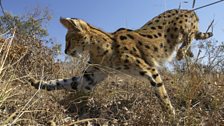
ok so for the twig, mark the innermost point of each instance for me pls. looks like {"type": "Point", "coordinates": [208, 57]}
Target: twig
{"type": "Point", "coordinates": [2, 8]}
{"type": "Point", "coordinates": [210, 25]}
{"type": "Point", "coordinates": [207, 5]}
{"type": "Point", "coordinates": [27, 105]}
{"type": "Point", "coordinates": [7, 51]}
{"type": "Point", "coordinates": [86, 120]}
{"type": "Point", "coordinates": [199, 52]}
{"type": "Point", "coordinates": [193, 106]}
{"type": "Point", "coordinates": [7, 32]}
{"type": "Point", "coordinates": [193, 3]}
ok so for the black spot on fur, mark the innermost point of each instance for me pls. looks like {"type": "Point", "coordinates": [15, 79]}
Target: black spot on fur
{"type": "Point", "coordinates": [158, 96]}
{"type": "Point", "coordinates": [123, 37]}
{"type": "Point", "coordinates": [120, 29]}
{"type": "Point", "coordinates": [58, 84]}
{"type": "Point", "coordinates": [148, 68]}
{"type": "Point", "coordinates": [159, 34]}
{"type": "Point", "coordinates": [153, 28]}
{"type": "Point", "coordinates": [88, 77]}
{"type": "Point", "coordinates": [149, 36]}
{"type": "Point", "coordinates": [105, 52]}
{"type": "Point", "coordinates": [143, 35]}
{"type": "Point", "coordinates": [74, 85]}
{"type": "Point", "coordinates": [134, 49]}
{"type": "Point", "coordinates": [138, 61]}
{"type": "Point", "coordinates": [159, 84]}
{"type": "Point", "coordinates": [126, 61]}
{"type": "Point", "coordinates": [149, 23]}
{"type": "Point", "coordinates": [146, 46]}
{"type": "Point", "coordinates": [155, 36]}
{"type": "Point", "coordinates": [117, 46]}
{"type": "Point", "coordinates": [165, 97]}
{"type": "Point", "coordinates": [181, 27]}
{"type": "Point", "coordinates": [125, 48]}
{"type": "Point", "coordinates": [142, 73]}
{"type": "Point", "coordinates": [170, 11]}
{"type": "Point", "coordinates": [175, 29]}
{"type": "Point", "coordinates": [160, 27]}
{"type": "Point", "coordinates": [155, 76]}
{"type": "Point", "coordinates": [153, 83]}
{"type": "Point", "coordinates": [171, 36]}
{"type": "Point", "coordinates": [74, 78]}
{"type": "Point", "coordinates": [168, 30]}
{"type": "Point", "coordinates": [139, 42]}
{"type": "Point", "coordinates": [130, 36]}
{"type": "Point", "coordinates": [161, 45]}
{"type": "Point", "coordinates": [194, 27]}
{"type": "Point", "coordinates": [155, 49]}
{"type": "Point", "coordinates": [156, 21]}
{"type": "Point", "coordinates": [180, 21]}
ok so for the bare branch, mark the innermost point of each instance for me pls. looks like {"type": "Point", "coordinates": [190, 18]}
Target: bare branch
{"type": "Point", "coordinates": [2, 7]}
{"type": "Point", "coordinates": [211, 24]}
{"type": "Point", "coordinates": [193, 3]}
{"type": "Point", "coordinates": [208, 5]}
{"type": "Point", "coordinates": [179, 6]}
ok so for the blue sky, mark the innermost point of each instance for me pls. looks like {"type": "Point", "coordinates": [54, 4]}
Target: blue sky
{"type": "Point", "coordinates": [111, 15]}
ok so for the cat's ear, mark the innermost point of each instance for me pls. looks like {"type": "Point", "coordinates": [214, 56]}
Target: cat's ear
{"type": "Point", "coordinates": [74, 24]}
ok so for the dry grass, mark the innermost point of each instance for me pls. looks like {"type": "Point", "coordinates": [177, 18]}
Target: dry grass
{"type": "Point", "coordinates": [119, 100]}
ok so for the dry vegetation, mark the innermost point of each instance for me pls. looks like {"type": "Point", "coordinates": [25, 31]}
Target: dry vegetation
{"type": "Point", "coordinates": [196, 87]}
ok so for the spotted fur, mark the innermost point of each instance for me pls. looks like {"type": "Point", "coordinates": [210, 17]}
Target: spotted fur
{"type": "Point", "coordinates": [134, 52]}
